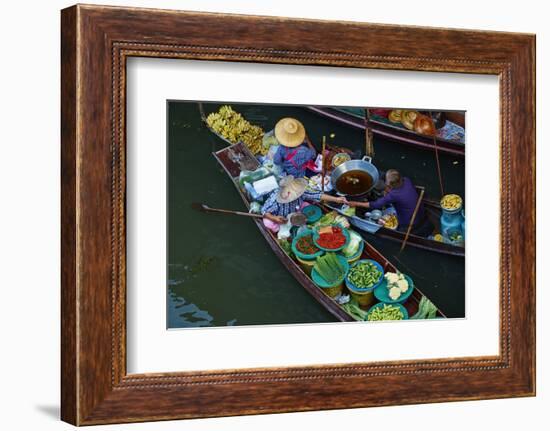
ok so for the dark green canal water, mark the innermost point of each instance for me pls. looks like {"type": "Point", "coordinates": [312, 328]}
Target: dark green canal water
{"type": "Point", "coordinates": [220, 269]}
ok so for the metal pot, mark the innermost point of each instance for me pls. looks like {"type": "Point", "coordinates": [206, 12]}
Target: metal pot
{"type": "Point", "coordinates": [364, 165]}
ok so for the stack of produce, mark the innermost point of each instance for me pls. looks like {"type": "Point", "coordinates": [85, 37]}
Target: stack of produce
{"type": "Point", "coordinates": [354, 244]}
{"type": "Point", "coordinates": [332, 217]}
{"type": "Point", "coordinates": [305, 245]}
{"type": "Point", "coordinates": [340, 158]}
{"type": "Point", "coordinates": [331, 238]}
{"type": "Point", "coordinates": [413, 120]}
{"type": "Point", "coordinates": [233, 127]}
{"type": "Point", "coordinates": [330, 268]}
{"type": "Point", "coordinates": [396, 285]}
{"type": "Point", "coordinates": [389, 221]}
{"type": "Point", "coordinates": [451, 202]}
{"type": "Point", "coordinates": [385, 312]}
{"type": "Point", "coordinates": [364, 275]}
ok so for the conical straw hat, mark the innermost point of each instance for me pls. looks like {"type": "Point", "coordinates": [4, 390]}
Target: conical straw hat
{"type": "Point", "coordinates": [290, 189]}
{"type": "Point", "coordinates": [290, 132]}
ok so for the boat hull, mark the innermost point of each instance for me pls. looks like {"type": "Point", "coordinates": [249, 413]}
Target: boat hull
{"type": "Point", "coordinates": [367, 227]}
{"type": "Point", "coordinates": [386, 131]}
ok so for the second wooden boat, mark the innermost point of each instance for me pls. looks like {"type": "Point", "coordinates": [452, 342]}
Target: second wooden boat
{"type": "Point", "coordinates": [434, 213]}
{"type": "Point", "coordinates": [387, 130]}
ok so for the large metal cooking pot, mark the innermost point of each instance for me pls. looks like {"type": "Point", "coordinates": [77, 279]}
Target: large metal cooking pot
{"type": "Point", "coordinates": [364, 165]}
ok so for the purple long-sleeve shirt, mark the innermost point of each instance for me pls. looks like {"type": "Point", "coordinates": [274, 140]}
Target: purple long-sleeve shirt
{"type": "Point", "coordinates": [404, 201]}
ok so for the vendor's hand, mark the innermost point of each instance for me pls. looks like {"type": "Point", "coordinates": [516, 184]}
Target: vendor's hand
{"type": "Point", "coordinates": [336, 199]}
{"type": "Point", "coordinates": [275, 218]}
{"type": "Point", "coordinates": [340, 200]}
{"type": "Point", "coordinates": [358, 204]}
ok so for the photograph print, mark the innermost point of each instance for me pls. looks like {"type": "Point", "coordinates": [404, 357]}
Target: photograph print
{"type": "Point", "coordinates": [290, 214]}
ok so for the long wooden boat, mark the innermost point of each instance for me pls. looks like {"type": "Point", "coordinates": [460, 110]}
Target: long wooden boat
{"type": "Point", "coordinates": [388, 130]}
{"type": "Point", "coordinates": [235, 158]}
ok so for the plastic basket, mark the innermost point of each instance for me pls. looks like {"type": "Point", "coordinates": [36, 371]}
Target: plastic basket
{"type": "Point", "coordinates": [381, 292]}
{"type": "Point", "coordinates": [364, 296]}
{"type": "Point", "coordinates": [381, 304]}
{"type": "Point", "coordinates": [344, 232]}
{"type": "Point", "coordinates": [332, 290]}
{"type": "Point", "coordinates": [299, 254]}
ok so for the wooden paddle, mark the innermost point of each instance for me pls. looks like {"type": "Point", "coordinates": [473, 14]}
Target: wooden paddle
{"type": "Point", "coordinates": [420, 197]}
{"type": "Point", "coordinates": [205, 208]}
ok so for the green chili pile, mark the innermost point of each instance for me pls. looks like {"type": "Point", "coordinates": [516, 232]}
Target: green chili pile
{"type": "Point", "coordinates": [364, 275]}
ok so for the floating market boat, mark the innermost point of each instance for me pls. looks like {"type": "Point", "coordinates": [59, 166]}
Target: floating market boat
{"type": "Point", "coordinates": [236, 158]}
{"type": "Point", "coordinates": [449, 140]}
{"type": "Point", "coordinates": [433, 211]}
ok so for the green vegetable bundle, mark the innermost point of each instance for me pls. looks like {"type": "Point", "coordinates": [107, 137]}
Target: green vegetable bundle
{"type": "Point", "coordinates": [426, 309]}
{"type": "Point", "coordinates": [353, 245]}
{"type": "Point", "coordinates": [355, 311]}
{"type": "Point", "coordinates": [330, 268]}
{"type": "Point", "coordinates": [386, 312]}
{"type": "Point", "coordinates": [332, 218]}
{"type": "Point", "coordinates": [364, 275]}
{"type": "Point", "coordinates": [285, 245]}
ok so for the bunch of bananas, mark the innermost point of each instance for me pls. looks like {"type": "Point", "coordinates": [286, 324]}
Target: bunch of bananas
{"type": "Point", "coordinates": [233, 127]}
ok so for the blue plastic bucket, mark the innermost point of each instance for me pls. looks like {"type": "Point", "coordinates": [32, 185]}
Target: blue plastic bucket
{"type": "Point", "coordinates": [364, 296]}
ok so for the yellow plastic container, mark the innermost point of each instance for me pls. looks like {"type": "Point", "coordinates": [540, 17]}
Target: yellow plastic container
{"type": "Point", "coordinates": [334, 291]}
{"type": "Point", "coordinates": [364, 299]}
{"type": "Point", "coordinates": [306, 265]}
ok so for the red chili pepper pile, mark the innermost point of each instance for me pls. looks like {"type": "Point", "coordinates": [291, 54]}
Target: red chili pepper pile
{"type": "Point", "coordinates": [306, 245]}
{"type": "Point", "coordinates": [331, 240]}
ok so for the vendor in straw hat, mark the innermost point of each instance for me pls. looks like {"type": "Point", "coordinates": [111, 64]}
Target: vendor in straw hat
{"type": "Point", "coordinates": [290, 197]}
{"type": "Point", "coordinates": [295, 153]}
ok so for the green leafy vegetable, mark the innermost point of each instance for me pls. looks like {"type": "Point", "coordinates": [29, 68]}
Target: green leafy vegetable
{"type": "Point", "coordinates": [329, 268]}
{"type": "Point", "coordinates": [349, 211]}
{"type": "Point", "coordinates": [286, 246]}
{"type": "Point", "coordinates": [354, 310]}
{"type": "Point", "coordinates": [353, 245]}
{"type": "Point", "coordinates": [426, 309]}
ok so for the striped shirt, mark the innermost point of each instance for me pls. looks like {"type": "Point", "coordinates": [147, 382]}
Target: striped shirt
{"type": "Point", "coordinates": [272, 206]}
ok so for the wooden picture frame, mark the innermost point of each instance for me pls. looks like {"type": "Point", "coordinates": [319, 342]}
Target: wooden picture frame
{"type": "Point", "coordinates": [96, 41]}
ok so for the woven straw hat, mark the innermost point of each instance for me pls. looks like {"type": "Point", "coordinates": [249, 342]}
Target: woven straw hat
{"type": "Point", "coordinates": [290, 132]}
{"type": "Point", "coordinates": [290, 189]}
